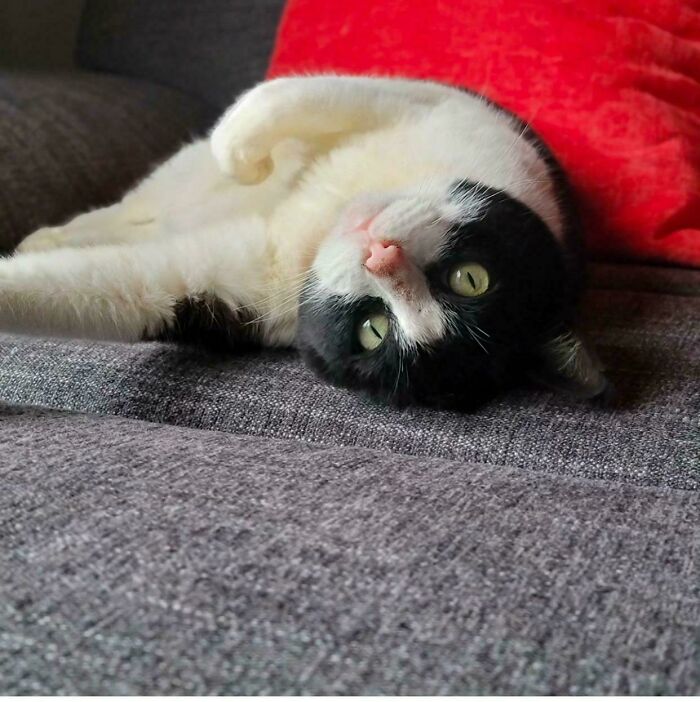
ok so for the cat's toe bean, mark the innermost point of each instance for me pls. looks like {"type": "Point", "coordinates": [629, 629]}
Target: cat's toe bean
{"type": "Point", "coordinates": [248, 165]}
{"type": "Point", "coordinates": [252, 172]}
{"type": "Point", "coordinates": [239, 150]}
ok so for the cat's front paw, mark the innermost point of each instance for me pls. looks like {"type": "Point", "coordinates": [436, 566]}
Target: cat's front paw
{"type": "Point", "coordinates": [249, 166]}
{"type": "Point", "coordinates": [243, 139]}
{"type": "Point", "coordinates": [44, 239]}
{"type": "Point", "coordinates": [238, 156]}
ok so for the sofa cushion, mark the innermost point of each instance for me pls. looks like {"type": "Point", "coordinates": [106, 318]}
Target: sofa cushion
{"type": "Point", "coordinates": [649, 340]}
{"type": "Point", "coordinates": [213, 49]}
{"type": "Point", "coordinates": [73, 141]}
{"type": "Point", "coordinates": [147, 559]}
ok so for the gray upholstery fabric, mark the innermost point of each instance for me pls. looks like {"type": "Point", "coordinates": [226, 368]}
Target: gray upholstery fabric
{"type": "Point", "coordinates": [319, 555]}
{"type": "Point", "coordinates": [212, 49]}
{"type": "Point", "coordinates": [72, 141]}
{"type": "Point", "coordinates": [649, 279]}
{"type": "Point", "coordinates": [650, 342]}
{"type": "Point", "coordinates": [141, 558]}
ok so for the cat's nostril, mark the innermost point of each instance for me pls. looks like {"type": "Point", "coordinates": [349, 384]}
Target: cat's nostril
{"type": "Point", "coordinates": [383, 257]}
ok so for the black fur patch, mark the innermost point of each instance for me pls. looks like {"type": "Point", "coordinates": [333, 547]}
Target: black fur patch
{"type": "Point", "coordinates": [572, 234]}
{"type": "Point", "coordinates": [207, 321]}
{"type": "Point", "coordinates": [531, 295]}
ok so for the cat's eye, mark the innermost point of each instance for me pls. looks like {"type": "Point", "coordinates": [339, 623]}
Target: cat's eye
{"type": "Point", "coordinates": [372, 331]}
{"type": "Point", "coordinates": [469, 279]}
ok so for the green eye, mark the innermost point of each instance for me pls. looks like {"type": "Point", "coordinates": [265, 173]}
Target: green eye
{"type": "Point", "coordinates": [372, 331]}
{"type": "Point", "coordinates": [469, 280]}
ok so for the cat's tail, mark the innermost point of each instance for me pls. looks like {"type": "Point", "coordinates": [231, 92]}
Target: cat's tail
{"type": "Point", "coordinates": [120, 292]}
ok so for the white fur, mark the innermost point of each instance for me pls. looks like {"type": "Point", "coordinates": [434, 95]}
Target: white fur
{"type": "Point", "coordinates": [292, 167]}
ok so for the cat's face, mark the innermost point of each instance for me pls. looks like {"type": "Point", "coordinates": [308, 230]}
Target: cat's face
{"type": "Point", "coordinates": [434, 297]}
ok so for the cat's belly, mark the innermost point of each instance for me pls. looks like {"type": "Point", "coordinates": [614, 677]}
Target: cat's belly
{"type": "Point", "coordinates": [303, 198]}
{"type": "Point", "coordinates": [189, 194]}
{"type": "Point", "coordinates": [461, 139]}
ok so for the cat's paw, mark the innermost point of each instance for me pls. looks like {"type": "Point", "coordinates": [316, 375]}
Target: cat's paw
{"type": "Point", "coordinates": [243, 139]}
{"type": "Point", "coordinates": [238, 156]}
{"type": "Point", "coordinates": [249, 166]}
{"type": "Point", "coordinates": [44, 239]}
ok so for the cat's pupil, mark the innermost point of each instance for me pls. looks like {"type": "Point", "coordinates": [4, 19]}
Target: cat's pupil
{"type": "Point", "coordinates": [471, 280]}
{"type": "Point", "coordinates": [372, 331]}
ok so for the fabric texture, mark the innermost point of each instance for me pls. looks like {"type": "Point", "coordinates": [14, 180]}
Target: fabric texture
{"type": "Point", "coordinates": [143, 559]}
{"type": "Point", "coordinates": [650, 343]}
{"type": "Point", "coordinates": [346, 547]}
{"type": "Point", "coordinates": [212, 49]}
{"type": "Point", "coordinates": [73, 141]}
{"type": "Point", "coordinates": [612, 85]}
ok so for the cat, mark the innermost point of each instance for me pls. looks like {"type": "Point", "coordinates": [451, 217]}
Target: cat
{"type": "Point", "coordinates": [411, 239]}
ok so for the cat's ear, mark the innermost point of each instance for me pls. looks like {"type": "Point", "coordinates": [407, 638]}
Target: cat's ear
{"type": "Point", "coordinates": [567, 362]}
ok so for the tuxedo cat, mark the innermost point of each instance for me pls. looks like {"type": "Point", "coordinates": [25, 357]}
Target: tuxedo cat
{"type": "Point", "coordinates": [411, 239]}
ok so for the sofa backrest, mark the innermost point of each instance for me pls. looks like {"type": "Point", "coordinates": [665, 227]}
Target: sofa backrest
{"type": "Point", "coordinates": [209, 48]}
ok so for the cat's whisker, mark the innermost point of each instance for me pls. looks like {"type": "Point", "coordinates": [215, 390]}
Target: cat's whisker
{"type": "Point", "coordinates": [516, 140]}
{"type": "Point", "coordinates": [526, 126]}
{"type": "Point", "coordinates": [400, 370]}
{"type": "Point", "coordinates": [293, 281]}
{"type": "Point", "coordinates": [281, 310]}
{"type": "Point", "coordinates": [485, 334]}
{"type": "Point", "coordinates": [476, 338]}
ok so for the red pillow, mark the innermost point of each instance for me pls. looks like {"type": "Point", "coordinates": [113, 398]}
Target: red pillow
{"type": "Point", "coordinates": [612, 85]}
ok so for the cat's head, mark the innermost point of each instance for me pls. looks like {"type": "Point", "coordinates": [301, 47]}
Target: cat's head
{"type": "Point", "coordinates": [442, 298]}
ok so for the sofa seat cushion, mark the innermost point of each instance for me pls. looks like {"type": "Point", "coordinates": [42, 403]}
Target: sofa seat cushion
{"type": "Point", "coordinates": [649, 339]}
{"type": "Point", "coordinates": [77, 140]}
{"type": "Point", "coordinates": [148, 559]}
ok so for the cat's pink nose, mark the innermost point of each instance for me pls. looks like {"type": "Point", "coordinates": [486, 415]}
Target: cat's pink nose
{"type": "Point", "coordinates": [384, 258]}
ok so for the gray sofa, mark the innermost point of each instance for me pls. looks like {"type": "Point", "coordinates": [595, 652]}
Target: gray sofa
{"type": "Point", "coordinates": [173, 521]}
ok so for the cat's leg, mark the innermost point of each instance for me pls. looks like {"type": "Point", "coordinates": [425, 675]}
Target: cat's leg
{"type": "Point", "coordinates": [182, 182]}
{"type": "Point", "coordinates": [311, 109]}
{"type": "Point", "coordinates": [126, 221]}
{"type": "Point", "coordinates": [123, 293]}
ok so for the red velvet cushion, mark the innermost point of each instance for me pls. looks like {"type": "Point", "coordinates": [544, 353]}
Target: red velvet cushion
{"type": "Point", "coordinates": [612, 85]}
